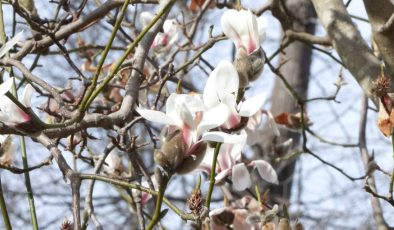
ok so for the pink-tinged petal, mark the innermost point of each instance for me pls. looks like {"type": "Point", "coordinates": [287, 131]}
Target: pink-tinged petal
{"type": "Point", "coordinates": [11, 43]}
{"type": "Point", "coordinates": [240, 177]}
{"type": "Point", "coordinates": [251, 105]}
{"type": "Point", "coordinates": [158, 117]}
{"type": "Point", "coordinates": [220, 177]}
{"type": "Point", "coordinates": [145, 197]}
{"type": "Point", "coordinates": [251, 40]}
{"type": "Point", "coordinates": [26, 96]}
{"type": "Point", "coordinates": [6, 86]}
{"type": "Point", "coordinates": [10, 113]}
{"type": "Point", "coordinates": [213, 118]}
{"type": "Point", "coordinates": [266, 171]}
{"type": "Point", "coordinates": [171, 29]}
{"type": "Point", "coordinates": [177, 109]}
{"type": "Point", "coordinates": [223, 137]}
{"type": "Point", "coordinates": [262, 25]}
{"type": "Point", "coordinates": [221, 82]}
{"type": "Point", "coordinates": [229, 28]}
{"type": "Point", "coordinates": [241, 27]}
{"type": "Point", "coordinates": [225, 160]}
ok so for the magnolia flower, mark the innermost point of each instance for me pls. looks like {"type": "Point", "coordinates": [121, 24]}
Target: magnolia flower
{"type": "Point", "coordinates": [247, 32]}
{"type": "Point", "coordinates": [166, 39]}
{"type": "Point", "coordinates": [244, 29]}
{"type": "Point", "coordinates": [188, 122]}
{"type": "Point", "coordinates": [113, 164]}
{"type": "Point", "coordinates": [10, 113]}
{"type": "Point", "coordinates": [230, 164]}
{"type": "Point", "coordinates": [222, 88]}
{"type": "Point", "coordinates": [255, 127]}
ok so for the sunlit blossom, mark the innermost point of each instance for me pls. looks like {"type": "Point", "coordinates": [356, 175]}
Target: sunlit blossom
{"type": "Point", "coordinates": [244, 29]}
{"type": "Point", "coordinates": [222, 87]}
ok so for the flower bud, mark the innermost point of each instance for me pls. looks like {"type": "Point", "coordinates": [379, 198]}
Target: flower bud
{"type": "Point", "coordinates": [172, 150]}
{"type": "Point", "coordinates": [249, 67]}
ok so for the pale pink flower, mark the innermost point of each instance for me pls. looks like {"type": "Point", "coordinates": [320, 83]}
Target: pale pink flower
{"type": "Point", "coordinates": [244, 29]}
{"type": "Point", "coordinates": [166, 39]}
{"type": "Point", "coordinates": [10, 113]}
{"type": "Point", "coordinates": [230, 165]}
{"type": "Point", "coordinates": [222, 87]}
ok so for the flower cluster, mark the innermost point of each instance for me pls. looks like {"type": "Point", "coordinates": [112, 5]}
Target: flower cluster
{"type": "Point", "coordinates": [219, 115]}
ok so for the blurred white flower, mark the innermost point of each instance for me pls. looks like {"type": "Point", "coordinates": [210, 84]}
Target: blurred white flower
{"type": "Point", "coordinates": [230, 164]}
{"type": "Point", "coordinates": [113, 164]}
{"type": "Point", "coordinates": [10, 113]}
{"type": "Point", "coordinates": [166, 39]}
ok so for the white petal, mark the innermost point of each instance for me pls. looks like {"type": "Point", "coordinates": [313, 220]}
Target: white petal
{"type": "Point", "coordinates": [223, 137]}
{"type": "Point", "coordinates": [8, 45]}
{"type": "Point", "coordinates": [222, 81]}
{"type": "Point", "coordinates": [250, 106]}
{"type": "Point", "coordinates": [157, 116]}
{"type": "Point", "coordinates": [241, 27]}
{"type": "Point", "coordinates": [266, 171]}
{"type": "Point", "coordinates": [222, 175]}
{"type": "Point", "coordinates": [194, 103]}
{"type": "Point", "coordinates": [237, 150]}
{"type": "Point", "coordinates": [240, 177]}
{"type": "Point", "coordinates": [6, 86]}
{"type": "Point", "coordinates": [171, 29]}
{"type": "Point", "coordinates": [262, 25]}
{"type": "Point", "coordinates": [272, 123]}
{"type": "Point", "coordinates": [26, 96]}
{"type": "Point", "coordinates": [229, 26]}
{"type": "Point", "coordinates": [213, 118]}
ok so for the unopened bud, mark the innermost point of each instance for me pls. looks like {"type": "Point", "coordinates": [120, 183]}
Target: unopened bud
{"type": "Point", "coordinates": [172, 150]}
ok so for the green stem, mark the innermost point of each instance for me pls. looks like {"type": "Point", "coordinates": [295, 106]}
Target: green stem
{"type": "Point", "coordinates": [3, 207]}
{"type": "Point", "coordinates": [159, 200]}
{"type": "Point", "coordinates": [392, 173]}
{"type": "Point", "coordinates": [212, 176]}
{"type": "Point", "coordinates": [29, 189]}
{"type": "Point", "coordinates": [117, 65]}
{"type": "Point", "coordinates": [105, 53]}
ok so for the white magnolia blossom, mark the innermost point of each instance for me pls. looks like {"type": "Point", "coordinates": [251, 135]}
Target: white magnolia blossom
{"type": "Point", "coordinates": [113, 164]}
{"type": "Point", "coordinates": [244, 29]}
{"type": "Point", "coordinates": [10, 113]}
{"type": "Point", "coordinates": [222, 88]}
{"type": "Point", "coordinates": [229, 164]}
{"type": "Point", "coordinates": [255, 126]}
{"type": "Point", "coordinates": [166, 39]}
{"type": "Point", "coordinates": [189, 114]}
